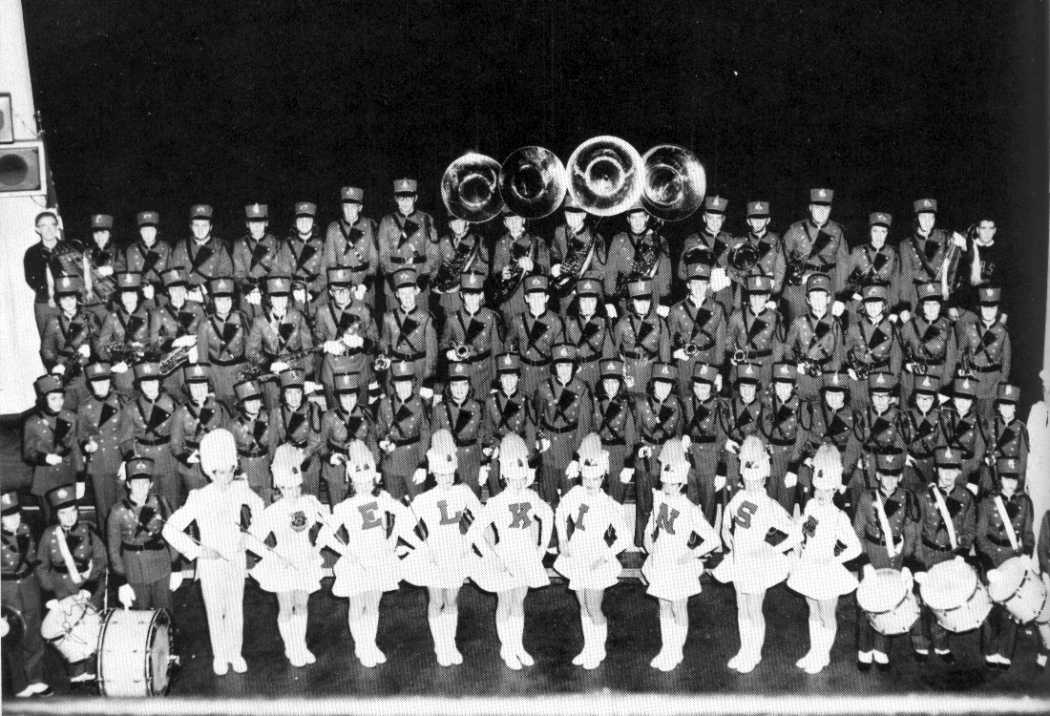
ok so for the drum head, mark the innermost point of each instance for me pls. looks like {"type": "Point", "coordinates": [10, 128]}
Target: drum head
{"type": "Point", "coordinates": [882, 591]}
{"type": "Point", "coordinates": [1010, 574]}
{"type": "Point", "coordinates": [133, 653]}
{"type": "Point", "coordinates": [948, 584]}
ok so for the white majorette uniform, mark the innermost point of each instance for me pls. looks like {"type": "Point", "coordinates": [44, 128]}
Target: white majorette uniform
{"type": "Point", "coordinates": [223, 510]}
{"type": "Point", "coordinates": [819, 572]}
{"type": "Point", "coordinates": [521, 524]}
{"type": "Point", "coordinates": [596, 531]}
{"type": "Point", "coordinates": [443, 558]}
{"type": "Point", "coordinates": [678, 527]}
{"type": "Point", "coordinates": [762, 532]}
{"type": "Point", "coordinates": [295, 562]}
{"type": "Point", "coordinates": [373, 522]}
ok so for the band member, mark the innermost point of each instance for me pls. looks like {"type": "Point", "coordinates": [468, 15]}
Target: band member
{"type": "Point", "coordinates": [99, 256]}
{"type": "Point", "coordinates": [589, 331]}
{"type": "Point", "coordinates": [301, 253]}
{"type": "Point", "coordinates": [49, 441]}
{"type": "Point", "coordinates": [765, 248]}
{"type": "Point", "coordinates": [124, 336]}
{"type": "Point", "coordinates": [199, 414]}
{"type": "Point", "coordinates": [881, 430]}
{"type": "Point", "coordinates": [784, 434]}
{"type": "Point", "coordinates": [68, 339]}
{"type": "Point", "coordinates": [831, 421]}
{"type": "Point", "coordinates": [147, 430]}
{"type": "Point", "coordinates": [755, 332]}
{"type": "Point", "coordinates": [697, 325]}
{"type": "Point", "coordinates": [508, 410]}
{"type": "Point", "coordinates": [403, 434]}
{"type": "Point", "coordinates": [297, 422]}
{"type": "Point", "coordinates": [280, 339]}
{"type": "Point", "coordinates": [341, 424]}
{"type": "Point", "coordinates": [224, 511]}
{"type": "Point", "coordinates": [886, 522]}
{"type": "Point", "coordinates": [962, 429]}
{"type": "Point", "coordinates": [814, 340]}
{"type": "Point", "coordinates": [1004, 529]}
{"type": "Point", "coordinates": [513, 550]}
{"type": "Point", "coordinates": [291, 568]}
{"type": "Point", "coordinates": [345, 328]}
{"type": "Point", "coordinates": [517, 256]}
{"type": "Point", "coordinates": [578, 252]}
{"type": "Point", "coordinates": [1006, 434]}
{"type": "Point", "coordinates": [928, 341]}
{"type": "Point", "coordinates": [350, 241]}
{"type": "Point", "coordinates": [704, 427]}
{"type": "Point", "coordinates": [459, 253]}
{"type": "Point", "coordinates": [473, 335]}
{"type": "Point", "coordinates": [372, 522]}
{"type": "Point", "coordinates": [874, 263]}
{"type": "Point", "coordinates": [613, 421]}
{"type": "Point", "coordinates": [533, 333]}
{"type": "Point", "coordinates": [946, 530]}
{"type": "Point", "coordinates": [758, 533]}
{"type": "Point", "coordinates": [986, 347]}
{"type": "Point", "coordinates": [147, 255]}
{"type": "Point", "coordinates": [222, 338]}
{"type": "Point", "coordinates": [641, 336]}
{"type": "Point", "coordinates": [407, 239]}
{"type": "Point", "coordinates": [984, 262]}
{"type": "Point", "coordinates": [741, 417]}
{"type": "Point", "coordinates": [444, 513]}
{"type": "Point", "coordinates": [204, 256]}
{"type": "Point", "coordinates": [817, 243]}
{"type": "Point", "coordinates": [641, 252]}
{"type": "Point", "coordinates": [461, 414]}
{"type": "Point", "coordinates": [922, 427]}
{"type": "Point", "coordinates": [926, 256]}
{"type": "Point", "coordinates": [42, 268]}
{"type": "Point", "coordinates": [828, 542]}
{"type": "Point", "coordinates": [254, 254]}
{"type": "Point", "coordinates": [408, 333]}
{"type": "Point", "coordinates": [255, 438]}
{"type": "Point", "coordinates": [872, 343]}
{"type": "Point", "coordinates": [100, 430]}
{"type": "Point", "coordinates": [710, 248]}
{"type": "Point", "coordinates": [562, 406]}
{"type": "Point", "coordinates": [676, 537]}
{"type": "Point", "coordinates": [20, 591]}
{"type": "Point", "coordinates": [138, 555]}
{"type": "Point", "coordinates": [174, 324]}
{"type": "Point", "coordinates": [659, 417]}
{"type": "Point", "coordinates": [591, 532]}
{"type": "Point", "coordinates": [71, 561]}
{"type": "Point", "coordinates": [1043, 553]}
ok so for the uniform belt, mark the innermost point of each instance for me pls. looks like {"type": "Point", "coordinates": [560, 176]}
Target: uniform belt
{"type": "Point", "coordinates": [705, 440]}
{"type": "Point", "coordinates": [406, 441]}
{"type": "Point", "coordinates": [921, 456]}
{"type": "Point", "coordinates": [615, 442]}
{"type": "Point", "coordinates": [650, 440]}
{"type": "Point", "coordinates": [415, 260]}
{"type": "Point", "coordinates": [759, 354]}
{"type": "Point", "coordinates": [408, 356]}
{"type": "Point", "coordinates": [933, 545]}
{"type": "Point", "coordinates": [567, 429]}
{"type": "Point", "coordinates": [589, 359]}
{"type": "Point", "coordinates": [253, 453]}
{"type": "Point", "coordinates": [298, 443]}
{"type": "Point", "coordinates": [193, 444]}
{"type": "Point", "coordinates": [154, 442]}
{"type": "Point", "coordinates": [781, 443]}
{"type": "Point", "coordinates": [466, 443]}
{"type": "Point", "coordinates": [334, 447]}
{"type": "Point", "coordinates": [988, 368]}
{"type": "Point", "coordinates": [358, 268]}
{"type": "Point", "coordinates": [881, 542]}
{"type": "Point", "coordinates": [998, 542]}
{"type": "Point", "coordinates": [637, 355]}
{"type": "Point", "coordinates": [226, 363]}
{"type": "Point", "coordinates": [15, 576]}
{"type": "Point", "coordinates": [484, 355]}
{"type": "Point", "coordinates": [530, 361]}
{"type": "Point", "coordinates": [151, 546]}
{"type": "Point", "coordinates": [61, 568]}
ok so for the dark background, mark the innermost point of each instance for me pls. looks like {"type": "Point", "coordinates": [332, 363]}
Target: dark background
{"type": "Point", "coordinates": [159, 105]}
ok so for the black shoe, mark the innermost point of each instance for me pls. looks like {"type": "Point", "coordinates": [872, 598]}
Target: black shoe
{"type": "Point", "coordinates": [883, 667]}
{"type": "Point", "coordinates": [1003, 667]}
{"type": "Point", "coordinates": [947, 657]}
{"type": "Point", "coordinates": [44, 694]}
{"type": "Point", "coordinates": [863, 666]}
{"type": "Point", "coordinates": [921, 658]}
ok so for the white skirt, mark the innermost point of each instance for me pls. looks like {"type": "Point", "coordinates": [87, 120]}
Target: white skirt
{"type": "Point", "coordinates": [669, 580]}
{"type": "Point", "coordinates": [438, 568]}
{"type": "Point", "coordinates": [276, 575]}
{"type": "Point", "coordinates": [821, 580]}
{"type": "Point", "coordinates": [518, 569]}
{"type": "Point", "coordinates": [753, 572]}
{"type": "Point", "coordinates": [381, 573]}
{"type": "Point", "coordinates": [578, 571]}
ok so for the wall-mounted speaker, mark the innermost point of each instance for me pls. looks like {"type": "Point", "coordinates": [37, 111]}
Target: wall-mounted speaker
{"type": "Point", "coordinates": [23, 170]}
{"type": "Point", "coordinates": [7, 120]}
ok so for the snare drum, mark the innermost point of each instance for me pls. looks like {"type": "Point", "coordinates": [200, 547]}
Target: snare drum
{"type": "Point", "coordinates": [72, 625]}
{"type": "Point", "coordinates": [133, 650]}
{"type": "Point", "coordinates": [886, 597]}
{"type": "Point", "coordinates": [1020, 591]}
{"type": "Point", "coordinates": [955, 594]}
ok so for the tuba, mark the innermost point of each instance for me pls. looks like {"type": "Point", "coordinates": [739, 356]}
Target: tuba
{"type": "Point", "coordinates": [674, 182]}
{"type": "Point", "coordinates": [532, 182]}
{"type": "Point", "coordinates": [470, 188]}
{"type": "Point", "coordinates": [605, 175]}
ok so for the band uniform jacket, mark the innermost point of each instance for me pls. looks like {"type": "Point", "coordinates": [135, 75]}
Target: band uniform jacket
{"type": "Point", "coordinates": [506, 414]}
{"type": "Point", "coordinates": [222, 342]}
{"type": "Point", "coordinates": [741, 419]}
{"type": "Point", "coordinates": [881, 433]}
{"type": "Point", "coordinates": [410, 337]}
{"type": "Point", "coordinates": [841, 428]}
{"type": "Point", "coordinates": [1007, 440]}
{"type": "Point", "coordinates": [644, 255]}
{"type": "Point", "coordinates": [760, 337]}
{"type": "Point", "coordinates": [532, 338]}
{"type": "Point", "coordinates": [782, 425]}
{"type": "Point", "coordinates": [331, 323]}
{"type": "Point", "coordinates": [303, 260]}
{"type": "Point", "coordinates": [641, 340]}
{"type": "Point", "coordinates": [993, 543]}
{"type": "Point", "coordinates": [406, 425]}
{"type": "Point", "coordinates": [482, 335]}
{"type": "Point", "coordinates": [18, 555]}
{"type": "Point", "coordinates": [98, 289]}
{"type": "Point", "coordinates": [816, 343]}
{"type": "Point", "coordinates": [466, 423]}
{"type": "Point", "coordinates": [868, 265]}
{"type": "Point", "coordinates": [921, 259]}
{"type": "Point", "coordinates": [876, 346]}
{"type": "Point", "coordinates": [300, 428]}
{"type": "Point", "coordinates": [190, 423]}
{"type": "Point", "coordinates": [101, 420]}
{"type": "Point", "coordinates": [712, 250]}
{"type": "Point", "coordinates": [563, 413]}
{"type": "Point", "coordinates": [989, 351]}
{"type": "Point", "coordinates": [931, 345]}
{"type": "Point", "coordinates": [577, 248]}
{"type": "Point", "coordinates": [353, 247]}
{"type": "Point", "coordinates": [137, 550]}
{"type": "Point", "coordinates": [89, 555]}
{"type": "Point", "coordinates": [923, 435]}
{"type": "Point", "coordinates": [124, 337]}
{"type": "Point", "coordinates": [902, 515]}
{"type": "Point", "coordinates": [593, 341]}
{"type": "Point", "coordinates": [933, 545]}
{"type": "Point", "coordinates": [613, 420]}
{"type": "Point", "coordinates": [256, 439]}
{"type": "Point", "coordinates": [768, 246]}
{"type": "Point", "coordinates": [63, 336]}
{"type": "Point", "coordinates": [168, 322]}
{"type": "Point", "coordinates": [703, 424]}
{"type": "Point", "coordinates": [272, 338]}
{"type": "Point", "coordinates": [338, 429]}
{"type": "Point", "coordinates": [703, 326]}
{"type": "Point", "coordinates": [407, 242]}
{"type": "Point", "coordinates": [150, 261]}
{"type": "Point", "coordinates": [253, 260]}
{"type": "Point", "coordinates": [203, 260]}
{"type": "Point", "coordinates": [147, 426]}
{"type": "Point", "coordinates": [819, 248]}
{"type": "Point", "coordinates": [44, 434]}
{"type": "Point", "coordinates": [508, 252]}
{"type": "Point", "coordinates": [964, 433]}
{"type": "Point", "coordinates": [476, 258]}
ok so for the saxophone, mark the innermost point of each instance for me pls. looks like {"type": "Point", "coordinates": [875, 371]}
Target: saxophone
{"type": "Point", "coordinates": [576, 254]}
{"type": "Point", "coordinates": [255, 372]}
{"type": "Point", "coordinates": [450, 270]}
{"type": "Point", "coordinates": [500, 289]}
{"type": "Point", "coordinates": [646, 255]}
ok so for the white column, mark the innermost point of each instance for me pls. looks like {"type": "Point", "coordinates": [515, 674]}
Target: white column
{"type": "Point", "coordinates": [19, 344]}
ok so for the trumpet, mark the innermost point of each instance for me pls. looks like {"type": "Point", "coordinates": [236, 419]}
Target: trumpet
{"type": "Point", "coordinates": [470, 188]}
{"type": "Point", "coordinates": [605, 175]}
{"type": "Point", "coordinates": [739, 357]}
{"type": "Point", "coordinates": [691, 349]}
{"type": "Point", "coordinates": [381, 363]}
{"type": "Point", "coordinates": [461, 351]}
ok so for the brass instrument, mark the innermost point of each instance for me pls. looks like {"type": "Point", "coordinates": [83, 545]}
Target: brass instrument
{"type": "Point", "coordinates": [918, 363]}
{"type": "Point", "coordinates": [499, 289]}
{"type": "Point", "coordinates": [950, 257]}
{"type": "Point", "coordinates": [451, 270]}
{"type": "Point", "coordinates": [461, 351]}
{"type": "Point", "coordinates": [740, 356]}
{"type": "Point", "coordinates": [606, 175]}
{"type": "Point", "coordinates": [127, 352]}
{"type": "Point", "coordinates": [743, 257]}
{"type": "Point", "coordinates": [470, 188]}
{"type": "Point", "coordinates": [690, 349]}
{"type": "Point", "coordinates": [646, 256]}
{"type": "Point", "coordinates": [175, 359]}
{"type": "Point", "coordinates": [254, 372]}
{"type": "Point", "coordinates": [571, 265]}
{"type": "Point", "coordinates": [860, 367]}
{"type": "Point", "coordinates": [795, 270]}
{"type": "Point", "coordinates": [806, 365]}
{"type": "Point", "coordinates": [674, 182]}
{"type": "Point", "coordinates": [532, 182]}
{"type": "Point", "coordinates": [381, 363]}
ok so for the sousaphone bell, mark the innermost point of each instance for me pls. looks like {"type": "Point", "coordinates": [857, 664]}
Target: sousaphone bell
{"type": "Point", "coordinates": [674, 183]}
{"type": "Point", "coordinates": [470, 188]}
{"type": "Point", "coordinates": [532, 182]}
{"type": "Point", "coordinates": [606, 175]}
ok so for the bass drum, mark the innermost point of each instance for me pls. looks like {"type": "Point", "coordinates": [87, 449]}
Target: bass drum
{"type": "Point", "coordinates": [133, 653]}
{"type": "Point", "coordinates": [14, 628]}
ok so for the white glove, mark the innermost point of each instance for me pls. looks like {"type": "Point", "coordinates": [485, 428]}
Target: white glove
{"type": "Point", "coordinates": [555, 270]}
{"type": "Point", "coordinates": [148, 292]}
{"type": "Point", "coordinates": [426, 393]}
{"type": "Point", "coordinates": [438, 397]}
{"type": "Point", "coordinates": [81, 489]}
{"type": "Point", "coordinates": [359, 292]}
{"type": "Point", "coordinates": [299, 295]}
{"type": "Point", "coordinates": [719, 279]}
{"type": "Point", "coordinates": [790, 480]}
{"type": "Point", "coordinates": [310, 387]}
{"type": "Point", "coordinates": [894, 318]}
{"type": "Point", "coordinates": [419, 476]}
{"type": "Point", "coordinates": [184, 341]}
{"type": "Point", "coordinates": [526, 264]}
{"type": "Point", "coordinates": [495, 452]}
{"type": "Point", "coordinates": [972, 487]}
{"type": "Point", "coordinates": [83, 595]}
{"type": "Point", "coordinates": [84, 350]}
{"type": "Point", "coordinates": [953, 313]}
{"type": "Point", "coordinates": [959, 240]}
{"type": "Point", "coordinates": [610, 311]}
{"type": "Point", "coordinates": [90, 446]}
{"type": "Point", "coordinates": [483, 474]}
{"type": "Point", "coordinates": [718, 383]}
{"type": "Point", "coordinates": [626, 475]}
{"type": "Point", "coordinates": [126, 595]}
{"type": "Point", "coordinates": [801, 368]}
{"type": "Point", "coordinates": [5, 628]}
{"type": "Point", "coordinates": [354, 341]}
{"type": "Point", "coordinates": [645, 451]}
{"type": "Point", "coordinates": [277, 366]}
{"type": "Point", "coordinates": [254, 297]}
{"type": "Point", "coordinates": [59, 369]}
{"type": "Point", "coordinates": [333, 348]}
{"type": "Point", "coordinates": [545, 444]}
{"type": "Point", "coordinates": [451, 355]}
{"type": "Point", "coordinates": [905, 316]}
{"type": "Point", "coordinates": [193, 355]}
{"type": "Point", "coordinates": [771, 305]}
{"type": "Point", "coordinates": [628, 381]}
{"type": "Point", "coordinates": [852, 374]}
{"type": "Point", "coordinates": [909, 460]}
{"type": "Point", "coordinates": [122, 472]}
{"type": "Point", "coordinates": [174, 581]}
{"type": "Point", "coordinates": [53, 459]}
{"type": "Point", "coordinates": [856, 296]}
{"type": "Point", "coordinates": [679, 354]}
{"type": "Point", "coordinates": [838, 308]}
{"type": "Point", "coordinates": [121, 367]}
{"type": "Point", "coordinates": [663, 311]}
{"type": "Point", "coordinates": [105, 271]}
{"type": "Point", "coordinates": [942, 398]}
{"type": "Point", "coordinates": [195, 294]}
{"type": "Point", "coordinates": [336, 459]}
{"type": "Point", "coordinates": [720, 482]}
{"type": "Point", "coordinates": [573, 470]}
{"type": "Point", "coordinates": [732, 446]}
{"type": "Point", "coordinates": [386, 446]}
{"type": "Point", "coordinates": [194, 458]}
